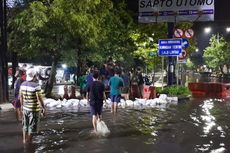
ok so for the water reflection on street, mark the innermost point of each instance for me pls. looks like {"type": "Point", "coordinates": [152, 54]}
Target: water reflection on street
{"type": "Point", "coordinates": [195, 126]}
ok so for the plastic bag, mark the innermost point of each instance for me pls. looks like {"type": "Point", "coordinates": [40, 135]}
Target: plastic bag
{"type": "Point", "coordinates": [102, 128]}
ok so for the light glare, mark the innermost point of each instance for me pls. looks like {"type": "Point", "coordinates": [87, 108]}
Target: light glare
{"type": "Point", "coordinates": [207, 30]}
{"type": "Point", "coordinates": [228, 29]}
{"type": "Point", "coordinates": [64, 66]}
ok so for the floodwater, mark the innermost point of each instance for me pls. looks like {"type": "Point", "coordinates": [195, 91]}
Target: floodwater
{"type": "Point", "coordinates": [195, 126]}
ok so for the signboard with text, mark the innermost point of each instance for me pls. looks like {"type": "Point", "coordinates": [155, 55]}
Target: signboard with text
{"type": "Point", "coordinates": [169, 47]}
{"type": "Point", "coordinates": [175, 10]}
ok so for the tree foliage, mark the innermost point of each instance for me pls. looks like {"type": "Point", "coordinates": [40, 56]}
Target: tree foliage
{"type": "Point", "coordinates": [82, 30]}
{"type": "Point", "coordinates": [216, 54]}
{"type": "Point", "coordinates": [98, 27]}
{"type": "Point", "coordinates": [116, 41]}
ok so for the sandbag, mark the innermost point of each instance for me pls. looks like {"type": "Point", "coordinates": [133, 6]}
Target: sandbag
{"type": "Point", "coordinates": [102, 128]}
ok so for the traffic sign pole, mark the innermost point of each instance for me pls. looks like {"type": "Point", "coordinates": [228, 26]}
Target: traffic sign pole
{"type": "Point", "coordinates": [171, 59]}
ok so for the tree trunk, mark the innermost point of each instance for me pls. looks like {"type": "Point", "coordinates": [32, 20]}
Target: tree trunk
{"type": "Point", "coordinates": [4, 94]}
{"type": "Point", "coordinates": [51, 80]}
{"type": "Point", "coordinates": [14, 66]}
{"type": "Point", "coordinates": [79, 64]}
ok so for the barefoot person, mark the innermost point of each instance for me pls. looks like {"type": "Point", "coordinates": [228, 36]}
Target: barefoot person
{"type": "Point", "coordinates": [115, 84]}
{"type": "Point", "coordinates": [95, 96]}
{"type": "Point", "coordinates": [32, 104]}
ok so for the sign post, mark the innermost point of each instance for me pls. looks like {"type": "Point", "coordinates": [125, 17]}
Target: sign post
{"type": "Point", "coordinates": [171, 59]}
{"type": "Point", "coordinates": [171, 48]}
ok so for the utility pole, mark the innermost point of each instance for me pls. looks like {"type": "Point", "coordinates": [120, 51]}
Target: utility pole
{"type": "Point", "coordinates": [4, 94]}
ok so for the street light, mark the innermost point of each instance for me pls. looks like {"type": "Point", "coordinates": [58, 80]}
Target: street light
{"type": "Point", "coordinates": [197, 50]}
{"type": "Point", "coordinates": [207, 30]}
{"type": "Point", "coordinates": [64, 66]}
{"type": "Point", "coordinates": [228, 29]}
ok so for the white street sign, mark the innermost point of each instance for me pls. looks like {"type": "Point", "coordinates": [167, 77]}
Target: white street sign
{"type": "Point", "coordinates": [175, 10]}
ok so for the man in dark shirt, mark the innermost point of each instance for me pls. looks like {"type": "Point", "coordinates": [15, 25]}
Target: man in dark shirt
{"type": "Point", "coordinates": [96, 95]}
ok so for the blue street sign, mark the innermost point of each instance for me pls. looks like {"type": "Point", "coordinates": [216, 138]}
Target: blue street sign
{"type": "Point", "coordinates": [185, 43]}
{"type": "Point", "coordinates": [169, 47]}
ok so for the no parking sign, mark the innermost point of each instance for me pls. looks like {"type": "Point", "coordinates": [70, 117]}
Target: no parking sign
{"type": "Point", "coordinates": [178, 33]}
{"type": "Point", "coordinates": [189, 33]}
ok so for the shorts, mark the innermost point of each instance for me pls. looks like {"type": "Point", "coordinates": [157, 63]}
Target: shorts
{"type": "Point", "coordinates": [16, 103]}
{"type": "Point", "coordinates": [30, 121]}
{"type": "Point", "coordinates": [96, 109]}
{"type": "Point", "coordinates": [115, 98]}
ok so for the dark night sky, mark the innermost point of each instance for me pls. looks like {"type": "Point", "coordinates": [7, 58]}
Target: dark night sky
{"type": "Point", "coordinates": [222, 10]}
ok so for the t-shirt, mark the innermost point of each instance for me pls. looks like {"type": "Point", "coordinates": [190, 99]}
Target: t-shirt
{"type": "Point", "coordinates": [115, 83]}
{"type": "Point", "coordinates": [96, 92]}
{"type": "Point", "coordinates": [29, 90]}
{"type": "Point", "coordinates": [89, 80]}
{"type": "Point", "coordinates": [82, 81]}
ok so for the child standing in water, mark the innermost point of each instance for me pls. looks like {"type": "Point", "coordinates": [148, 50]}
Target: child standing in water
{"type": "Point", "coordinates": [95, 96]}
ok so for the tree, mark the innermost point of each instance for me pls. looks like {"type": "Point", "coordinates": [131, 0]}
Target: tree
{"type": "Point", "coordinates": [56, 28]}
{"type": "Point", "coordinates": [116, 41]}
{"type": "Point", "coordinates": [215, 54]}
{"type": "Point", "coordinates": [45, 27]}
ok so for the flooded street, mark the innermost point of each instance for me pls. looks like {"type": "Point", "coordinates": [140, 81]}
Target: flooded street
{"type": "Point", "coordinates": [191, 127]}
